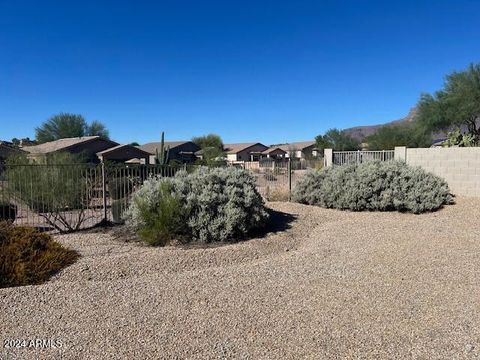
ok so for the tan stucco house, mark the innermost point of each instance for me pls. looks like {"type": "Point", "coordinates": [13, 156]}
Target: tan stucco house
{"type": "Point", "coordinates": [299, 150]}
{"type": "Point", "coordinates": [244, 151]}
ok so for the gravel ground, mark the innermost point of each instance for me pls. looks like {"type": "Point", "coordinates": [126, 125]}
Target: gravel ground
{"type": "Point", "coordinates": [333, 285]}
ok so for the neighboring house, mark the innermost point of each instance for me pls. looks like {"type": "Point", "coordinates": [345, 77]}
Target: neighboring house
{"type": "Point", "coordinates": [86, 146]}
{"type": "Point", "coordinates": [244, 152]}
{"type": "Point", "coordinates": [299, 150]}
{"type": "Point", "coordinates": [182, 151]}
{"type": "Point", "coordinates": [7, 149]}
{"type": "Point", "coordinates": [274, 152]}
{"type": "Point", "coordinates": [125, 153]}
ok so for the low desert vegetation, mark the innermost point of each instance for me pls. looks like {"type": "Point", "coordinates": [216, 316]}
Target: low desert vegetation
{"type": "Point", "coordinates": [380, 186]}
{"type": "Point", "coordinates": [280, 193]}
{"type": "Point", "coordinates": [29, 257]}
{"type": "Point", "coordinates": [208, 205]}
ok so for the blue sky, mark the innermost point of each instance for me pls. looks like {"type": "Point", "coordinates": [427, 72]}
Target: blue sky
{"type": "Point", "coordinates": [270, 71]}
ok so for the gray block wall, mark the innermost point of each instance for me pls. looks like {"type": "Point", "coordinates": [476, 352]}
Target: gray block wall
{"type": "Point", "coordinates": [460, 167]}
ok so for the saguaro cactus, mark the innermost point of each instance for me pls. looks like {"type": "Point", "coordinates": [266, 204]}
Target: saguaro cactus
{"type": "Point", "coordinates": [161, 156]}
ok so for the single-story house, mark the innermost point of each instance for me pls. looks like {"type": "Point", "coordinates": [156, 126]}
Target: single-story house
{"type": "Point", "coordinates": [244, 151]}
{"type": "Point", "coordinates": [182, 151]}
{"type": "Point", "coordinates": [299, 150]}
{"type": "Point", "coordinates": [7, 149]}
{"type": "Point", "coordinates": [87, 146]}
{"type": "Point", "coordinates": [274, 152]}
{"type": "Point", "coordinates": [125, 153]}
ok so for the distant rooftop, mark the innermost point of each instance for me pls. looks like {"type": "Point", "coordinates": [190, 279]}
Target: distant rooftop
{"type": "Point", "coordinates": [60, 144]}
{"type": "Point", "coordinates": [300, 145]}
{"type": "Point", "coordinates": [236, 148]}
{"type": "Point", "coordinates": [154, 146]}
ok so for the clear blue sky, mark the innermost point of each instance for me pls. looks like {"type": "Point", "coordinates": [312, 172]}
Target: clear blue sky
{"type": "Point", "coordinates": [272, 71]}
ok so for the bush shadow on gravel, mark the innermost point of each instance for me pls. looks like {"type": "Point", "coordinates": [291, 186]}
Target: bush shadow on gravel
{"type": "Point", "coordinates": [278, 221]}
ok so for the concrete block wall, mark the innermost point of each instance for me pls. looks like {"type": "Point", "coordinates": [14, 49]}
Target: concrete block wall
{"type": "Point", "coordinates": [460, 167]}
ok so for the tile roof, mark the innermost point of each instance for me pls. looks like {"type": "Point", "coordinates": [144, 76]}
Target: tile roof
{"type": "Point", "coordinates": [153, 146]}
{"type": "Point", "coordinates": [127, 146]}
{"type": "Point", "coordinates": [236, 148]}
{"type": "Point", "coordinates": [271, 149]}
{"type": "Point", "coordinates": [300, 145]}
{"type": "Point", "coordinates": [60, 144]}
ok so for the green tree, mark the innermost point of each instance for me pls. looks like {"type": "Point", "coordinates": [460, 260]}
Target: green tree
{"type": "Point", "coordinates": [456, 106]}
{"type": "Point", "coordinates": [410, 135]}
{"type": "Point", "coordinates": [337, 140]}
{"type": "Point", "coordinates": [65, 125]}
{"type": "Point", "coordinates": [210, 140]}
{"type": "Point", "coordinates": [212, 148]}
{"type": "Point", "coordinates": [96, 128]}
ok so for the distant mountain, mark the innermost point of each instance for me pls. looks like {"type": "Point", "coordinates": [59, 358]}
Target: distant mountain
{"type": "Point", "coordinates": [361, 132]}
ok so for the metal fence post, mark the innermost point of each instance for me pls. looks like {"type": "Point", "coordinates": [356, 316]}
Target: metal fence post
{"type": "Point", "coordinates": [104, 192]}
{"type": "Point", "coordinates": [289, 170]}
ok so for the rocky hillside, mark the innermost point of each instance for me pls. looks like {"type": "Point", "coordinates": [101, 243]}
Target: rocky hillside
{"type": "Point", "coordinates": [361, 132]}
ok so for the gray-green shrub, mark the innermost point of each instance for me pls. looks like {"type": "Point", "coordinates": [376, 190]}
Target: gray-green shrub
{"type": "Point", "coordinates": [375, 185]}
{"type": "Point", "coordinates": [210, 204]}
{"type": "Point", "coordinates": [156, 213]}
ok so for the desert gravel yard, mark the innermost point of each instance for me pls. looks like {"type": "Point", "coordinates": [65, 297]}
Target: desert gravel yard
{"type": "Point", "coordinates": [333, 285]}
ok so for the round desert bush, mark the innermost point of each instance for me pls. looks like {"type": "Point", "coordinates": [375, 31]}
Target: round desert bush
{"type": "Point", "coordinates": [210, 204]}
{"type": "Point", "coordinates": [375, 185]}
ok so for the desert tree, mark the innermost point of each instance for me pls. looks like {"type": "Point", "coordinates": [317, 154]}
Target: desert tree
{"type": "Point", "coordinates": [65, 125]}
{"type": "Point", "coordinates": [456, 106]}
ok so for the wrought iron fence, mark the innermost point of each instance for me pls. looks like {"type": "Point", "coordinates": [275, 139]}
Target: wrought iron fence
{"type": "Point", "coordinates": [276, 178]}
{"type": "Point", "coordinates": [51, 197]}
{"type": "Point", "coordinates": [356, 157]}
{"type": "Point", "coordinates": [64, 198]}
{"type": "Point", "coordinates": [67, 198]}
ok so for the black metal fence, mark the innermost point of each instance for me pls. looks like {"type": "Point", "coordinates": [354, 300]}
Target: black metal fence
{"type": "Point", "coordinates": [64, 198]}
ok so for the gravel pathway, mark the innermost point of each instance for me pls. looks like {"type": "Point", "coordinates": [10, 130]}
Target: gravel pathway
{"type": "Point", "coordinates": [333, 285]}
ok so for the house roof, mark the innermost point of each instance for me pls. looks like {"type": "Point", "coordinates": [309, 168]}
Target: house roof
{"type": "Point", "coordinates": [6, 149]}
{"type": "Point", "coordinates": [154, 146]}
{"type": "Point", "coordinates": [62, 144]}
{"type": "Point", "coordinates": [300, 145]}
{"type": "Point", "coordinates": [272, 149]}
{"type": "Point", "coordinates": [236, 148]}
{"type": "Point", "coordinates": [128, 147]}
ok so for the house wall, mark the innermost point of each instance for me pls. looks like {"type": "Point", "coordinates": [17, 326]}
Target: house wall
{"type": "Point", "coordinates": [459, 166]}
{"type": "Point", "coordinates": [231, 157]}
